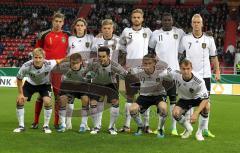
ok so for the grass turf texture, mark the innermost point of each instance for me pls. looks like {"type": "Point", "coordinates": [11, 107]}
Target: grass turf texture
{"type": "Point", "coordinates": [224, 123]}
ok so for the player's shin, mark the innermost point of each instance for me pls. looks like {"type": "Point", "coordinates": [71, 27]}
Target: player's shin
{"type": "Point", "coordinates": [137, 118]}
{"type": "Point", "coordinates": [47, 115]}
{"type": "Point", "coordinates": [69, 112]}
{"type": "Point", "coordinates": [174, 122]}
{"type": "Point", "coordinates": [62, 116]}
{"type": "Point", "coordinates": [146, 116]}
{"type": "Point", "coordinates": [100, 107]}
{"type": "Point", "coordinates": [84, 113]}
{"type": "Point", "coordinates": [94, 113]}
{"type": "Point", "coordinates": [127, 113]}
{"type": "Point", "coordinates": [38, 108]}
{"type": "Point", "coordinates": [114, 113]}
{"type": "Point", "coordinates": [183, 121]}
{"type": "Point", "coordinates": [20, 115]}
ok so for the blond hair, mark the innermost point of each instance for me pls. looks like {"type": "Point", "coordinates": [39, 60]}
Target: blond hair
{"type": "Point", "coordinates": [138, 11]}
{"type": "Point", "coordinates": [107, 22]}
{"type": "Point", "coordinates": [197, 16]}
{"type": "Point", "coordinates": [38, 51]}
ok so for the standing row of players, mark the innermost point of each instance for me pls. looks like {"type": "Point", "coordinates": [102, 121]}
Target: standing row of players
{"type": "Point", "coordinates": [129, 49]}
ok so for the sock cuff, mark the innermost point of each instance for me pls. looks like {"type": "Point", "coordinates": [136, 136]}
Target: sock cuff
{"type": "Point", "coordinates": [48, 107]}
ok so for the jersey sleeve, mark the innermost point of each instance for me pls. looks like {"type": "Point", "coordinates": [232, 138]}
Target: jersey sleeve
{"type": "Point", "coordinates": [182, 48]}
{"type": "Point", "coordinates": [94, 46]}
{"type": "Point", "coordinates": [212, 48]}
{"type": "Point", "coordinates": [152, 41]}
{"type": "Point", "coordinates": [22, 72]}
{"type": "Point", "coordinates": [53, 63]}
{"type": "Point", "coordinates": [203, 91]}
{"type": "Point", "coordinates": [117, 68]}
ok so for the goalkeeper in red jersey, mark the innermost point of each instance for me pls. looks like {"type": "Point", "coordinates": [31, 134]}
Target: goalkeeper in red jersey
{"type": "Point", "coordinates": [55, 43]}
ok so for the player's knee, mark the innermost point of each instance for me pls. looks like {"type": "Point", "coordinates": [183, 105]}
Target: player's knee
{"type": "Point", "coordinates": [134, 109]}
{"type": "Point", "coordinates": [115, 102]}
{"type": "Point", "coordinates": [85, 100]}
{"type": "Point", "coordinates": [47, 101]}
{"type": "Point", "coordinates": [176, 114]}
{"type": "Point", "coordinates": [207, 108]}
{"type": "Point", "coordinates": [93, 107]}
{"type": "Point", "coordinates": [63, 100]}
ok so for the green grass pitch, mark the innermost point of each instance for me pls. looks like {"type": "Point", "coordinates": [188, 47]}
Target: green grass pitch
{"type": "Point", "coordinates": [224, 123]}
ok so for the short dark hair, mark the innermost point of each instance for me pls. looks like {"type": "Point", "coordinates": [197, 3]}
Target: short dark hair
{"type": "Point", "coordinates": [166, 14]}
{"type": "Point", "coordinates": [150, 56]}
{"type": "Point", "coordinates": [104, 49]}
{"type": "Point", "coordinates": [76, 56]}
{"type": "Point", "coordinates": [185, 62]}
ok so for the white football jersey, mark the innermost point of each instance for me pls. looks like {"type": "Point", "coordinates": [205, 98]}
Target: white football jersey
{"type": "Point", "coordinates": [36, 76]}
{"type": "Point", "coordinates": [105, 75]}
{"type": "Point", "coordinates": [150, 85]}
{"type": "Point", "coordinates": [166, 45]}
{"type": "Point", "coordinates": [80, 45]}
{"type": "Point", "coordinates": [135, 44]}
{"type": "Point", "coordinates": [113, 44]}
{"type": "Point", "coordinates": [198, 51]}
{"type": "Point", "coordinates": [192, 89]}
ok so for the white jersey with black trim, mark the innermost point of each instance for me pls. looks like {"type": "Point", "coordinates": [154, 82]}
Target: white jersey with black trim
{"type": "Point", "coordinates": [166, 45]}
{"type": "Point", "coordinates": [198, 51]}
{"type": "Point", "coordinates": [34, 75]}
{"type": "Point", "coordinates": [150, 84]}
{"type": "Point", "coordinates": [191, 89]}
{"type": "Point", "coordinates": [80, 45]}
{"type": "Point", "coordinates": [135, 44]}
{"type": "Point", "coordinates": [105, 75]}
{"type": "Point", "coordinates": [113, 44]}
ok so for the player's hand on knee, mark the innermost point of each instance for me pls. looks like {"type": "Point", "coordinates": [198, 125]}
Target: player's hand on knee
{"type": "Point", "coordinates": [21, 99]}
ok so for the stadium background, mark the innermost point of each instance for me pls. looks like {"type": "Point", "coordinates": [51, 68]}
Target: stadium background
{"type": "Point", "coordinates": [21, 20]}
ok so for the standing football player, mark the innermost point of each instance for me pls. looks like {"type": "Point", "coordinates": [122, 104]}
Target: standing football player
{"type": "Point", "coordinates": [80, 42]}
{"type": "Point", "coordinates": [135, 40]}
{"type": "Point", "coordinates": [199, 47]}
{"type": "Point", "coordinates": [55, 43]}
{"type": "Point", "coordinates": [164, 43]}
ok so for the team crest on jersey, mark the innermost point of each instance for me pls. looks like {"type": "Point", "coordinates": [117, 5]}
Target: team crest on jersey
{"type": "Point", "coordinates": [144, 35]}
{"type": "Point", "coordinates": [204, 45]}
{"type": "Point", "coordinates": [114, 47]}
{"type": "Point", "coordinates": [87, 44]}
{"type": "Point", "coordinates": [191, 90]}
{"type": "Point", "coordinates": [175, 36]}
{"type": "Point", "coordinates": [63, 39]}
{"type": "Point", "coordinates": [158, 79]}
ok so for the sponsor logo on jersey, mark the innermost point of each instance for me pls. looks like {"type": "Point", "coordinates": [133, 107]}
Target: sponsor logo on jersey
{"type": "Point", "coordinates": [175, 36]}
{"type": "Point", "coordinates": [204, 45]}
{"type": "Point", "coordinates": [63, 39]}
{"type": "Point", "coordinates": [144, 35]}
{"type": "Point", "coordinates": [87, 44]}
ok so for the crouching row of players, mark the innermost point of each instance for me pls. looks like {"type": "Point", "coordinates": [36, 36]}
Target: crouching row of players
{"type": "Point", "coordinates": [155, 79]}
